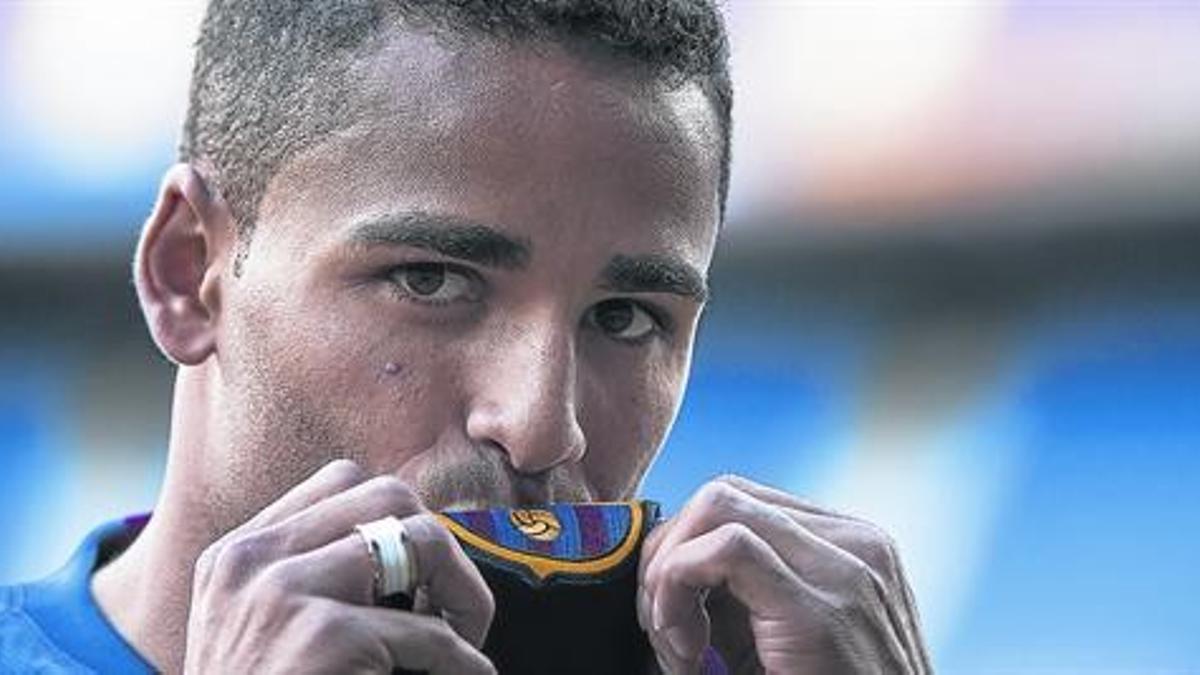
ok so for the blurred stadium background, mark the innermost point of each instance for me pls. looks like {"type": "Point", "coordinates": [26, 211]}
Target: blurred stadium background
{"type": "Point", "coordinates": [959, 293]}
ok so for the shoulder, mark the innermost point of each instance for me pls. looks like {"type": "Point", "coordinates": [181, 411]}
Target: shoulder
{"type": "Point", "coordinates": [24, 645]}
{"type": "Point", "coordinates": [53, 625]}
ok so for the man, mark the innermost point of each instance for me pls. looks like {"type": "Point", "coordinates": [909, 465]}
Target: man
{"type": "Point", "coordinates": [431, 255]}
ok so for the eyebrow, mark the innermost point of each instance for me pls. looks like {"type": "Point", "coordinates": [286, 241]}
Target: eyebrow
{"type": "Point", "coordinates": [464, 239]}
{"type": "Point", "coordinates": [655, 274]}
{"type": "Point", "coordinates": [448, 235]}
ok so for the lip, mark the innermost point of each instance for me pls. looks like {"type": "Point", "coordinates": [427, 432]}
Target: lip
{"type": "Point", "coordinates": [492, 484]}
{"type": "Point", "coordinates": [519, 497]}
{"type": "Point", "coordinates": [530, 492]}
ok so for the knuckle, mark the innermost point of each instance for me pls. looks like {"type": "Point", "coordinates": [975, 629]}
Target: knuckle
{"type": "Point", "coordinates": [731, 479]}
{"type": "Point", "coordinates": [348, 637]}
{"type": "Point", "coordinates": [738, 540]}
{"type": "Point", "coordinates": [320, 625]}
{"type": "Point", "coordinates": [443, 640]}
{"type": "Point", "coordinates": [426, 528]}
{"type": "Point", "coordinates": [206, 563]}
{"type": "Point", "coordinates": [720, 496]}
{"type": "Point", "coordinates": [452, 654]}
{"type": "Point", "coordinates": [861, 575]}
{"type": "Point", "coordinates": [392, 495]}
{"type": "Point", "coordinates": [859, 583]}
{"type": "Point", "coordinates": [344, 473]}
{"type": "Point", "coordinates": [247, 551]}
{"type": "Point", "coordinates": [882, 557]}
{"type": "Point", "coordinates": [276, 583]}
{"type": "Point", "coordinates": [875, 548]}
{"type": "Point", "coordinates": [445, 542]}
{"type": "Point", "coordinates": [229, 562]}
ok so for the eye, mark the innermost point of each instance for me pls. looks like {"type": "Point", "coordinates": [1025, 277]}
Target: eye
{"type": "Point", "coordinates": [623, 319]}
{"type": "Point", "coordinates": [433, 283]}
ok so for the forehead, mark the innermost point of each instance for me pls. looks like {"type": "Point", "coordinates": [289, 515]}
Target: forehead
{"type": "Point", "coordinates": [543, 142]}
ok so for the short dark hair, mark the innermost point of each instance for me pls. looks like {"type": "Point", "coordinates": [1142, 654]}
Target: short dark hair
{"type": "Point", "coordinates": [270, 76]}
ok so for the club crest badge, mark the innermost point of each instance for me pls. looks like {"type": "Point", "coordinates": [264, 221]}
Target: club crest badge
{"type": "Point", "coordinates": [537, 524]}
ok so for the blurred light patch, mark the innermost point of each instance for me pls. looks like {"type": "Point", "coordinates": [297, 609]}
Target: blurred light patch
{"type": "Point", "coordinates": [1091, 563]}
{"type": "Point", "coordinates": [876, 112]}
{"type": "Point", "coordinates": [933, 453]}
{"type": "Point", "coordinates": [760, 397]}
{"type": "Point", "coordinates": [821, 82]}
{"type": "Point", "coordinates": [938, 494]}
{"type": "Point", "coordinates": [35, 457]}
{"type": "Point", "coordinates": [93, 89]}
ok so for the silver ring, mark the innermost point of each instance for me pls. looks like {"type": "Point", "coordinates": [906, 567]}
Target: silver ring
{"type": "Point", "coordinates": [388, 545]}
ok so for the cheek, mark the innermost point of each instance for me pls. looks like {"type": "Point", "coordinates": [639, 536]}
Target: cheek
{"type": "Point", "coordinates": [626, 418]}
{"type": "Point", "coordinates": [402, 400]}
{"type": "Point", "coordinates": [370, 382]}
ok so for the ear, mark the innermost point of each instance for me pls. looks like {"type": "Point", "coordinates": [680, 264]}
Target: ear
{"type": "Point", "coordinates": [181, 256]}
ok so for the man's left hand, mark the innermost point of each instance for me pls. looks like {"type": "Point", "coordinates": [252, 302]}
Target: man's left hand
{"type": "Point", "coordinates": [778, 586]}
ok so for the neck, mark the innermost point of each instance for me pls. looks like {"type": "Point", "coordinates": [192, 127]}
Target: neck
{"type": "Point", "coordinates": [146, 592]}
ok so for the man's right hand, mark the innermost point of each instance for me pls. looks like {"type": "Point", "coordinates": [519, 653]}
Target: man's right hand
{"type": "Point", "coordinates": [291, 589]}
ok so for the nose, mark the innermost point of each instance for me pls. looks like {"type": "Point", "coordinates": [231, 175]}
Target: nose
{"type": "Point", "coordinates": [525, 397]}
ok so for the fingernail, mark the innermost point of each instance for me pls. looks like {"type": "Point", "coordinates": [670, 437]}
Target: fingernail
{"type": "Point", "coordinates": [658, 618]}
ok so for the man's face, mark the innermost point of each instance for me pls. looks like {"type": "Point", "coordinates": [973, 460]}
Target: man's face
{"type": "Point", "coordinates": [488, 286]}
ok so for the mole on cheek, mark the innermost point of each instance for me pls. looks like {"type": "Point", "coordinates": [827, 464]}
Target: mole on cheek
{"type": "Point", "coordinates": [391, 368]}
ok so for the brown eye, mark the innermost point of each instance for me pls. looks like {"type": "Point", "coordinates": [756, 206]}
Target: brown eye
{"type": "Point", "coordinates": [434, 283]}
{"type": "Point", "coordinates": [623, 319]}
{"type": "Point", "coordinates": [425, 279]}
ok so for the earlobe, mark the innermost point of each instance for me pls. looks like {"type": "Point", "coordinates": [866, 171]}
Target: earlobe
{"type": "Point", "coordinates": [179, 264]}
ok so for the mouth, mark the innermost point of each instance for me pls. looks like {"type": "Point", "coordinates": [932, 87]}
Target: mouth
{"type": "Point", "coordinates": [477, 481]}
{"type": "Point", "coordinates": [530, 492]}
{"type": "Point", "coordinates": [521, 493]}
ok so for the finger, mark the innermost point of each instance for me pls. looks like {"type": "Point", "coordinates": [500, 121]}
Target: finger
{"type": "Point", "coordinates": [820, 520]}
{"type": "Point", "coordinates": [831, 552]}
{"type": "Point", "coordinates": [652, 543]}
{"type": "Point", "coordinates": [241, 552]}
{"type": "Point", "coordinates": [656, 536]}
{"type": "Point", "coordinates": [863, 539]}
{"type": "Point", "coordinates": [781, 498]}
{"type": "Point", "coordinates": [668, 659]}
{"type": "Point", "coordinates": [866, 542]}
{"type": "Point", "coordinates": [821, 564]}
{"type": "Point", "coordinates": [336, 476]}
{"type": "Point", "coordinates": [424, 643]}
{"type": "Point", "coordinates": [734, 557]}
{"type": "Point", "coordinates": [717, 497]}
{"type": "Point", "coordinates": [872, 546]}
{"type": "Point", "coordinates": [380, 639]}
{"type": "Point", "coordinates": [718, 503]}
{"type": "Point", "coordinates": [819, 561]}
{"type": "Point", "coordinates": [336, 515]}
{"type": "Point", "coordinates": [451, 581]}
{"type": "Point", "coordinates": [341, 570]}
{"type": "Point", "coordinates": [918, 653]}
{"type": "Point", "coordinates": [680, 643]}
{"type": "Point", "coordinates": [860, 537]}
